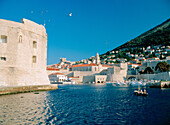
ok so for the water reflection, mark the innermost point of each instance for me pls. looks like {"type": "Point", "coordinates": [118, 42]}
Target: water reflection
{"type": "Point", "coordinates": [23, 108]}
{"type": "Point", "coordinates": [85, 104]}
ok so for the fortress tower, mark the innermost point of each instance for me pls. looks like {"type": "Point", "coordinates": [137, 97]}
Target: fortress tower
{"type": "Point", "coordinates": [23, 53]}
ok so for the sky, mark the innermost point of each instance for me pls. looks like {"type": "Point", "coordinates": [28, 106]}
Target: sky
{"type": "Point", "coordinates": [95, 25]}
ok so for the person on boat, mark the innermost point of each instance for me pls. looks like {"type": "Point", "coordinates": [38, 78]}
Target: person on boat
{"type": "Point", "coordinates": [141, 91]}
{"type": "Point", "coordinates": [144, 91]}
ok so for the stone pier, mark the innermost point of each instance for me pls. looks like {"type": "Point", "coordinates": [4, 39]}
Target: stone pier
{"type": "Point", "coordinates": [25, 89]}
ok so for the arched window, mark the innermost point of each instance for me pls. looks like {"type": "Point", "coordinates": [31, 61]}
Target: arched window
{"type": "Point", "coordinates": [3, 58]}
{"type": "Point", "coordinates": [20, 39]}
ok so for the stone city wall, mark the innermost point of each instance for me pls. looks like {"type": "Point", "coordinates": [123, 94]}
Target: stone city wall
{"type": "Point", "coordinates": [159, 76]}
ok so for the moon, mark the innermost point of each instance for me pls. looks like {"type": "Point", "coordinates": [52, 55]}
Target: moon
{"type": "Point", "coordinates": [70, 14]}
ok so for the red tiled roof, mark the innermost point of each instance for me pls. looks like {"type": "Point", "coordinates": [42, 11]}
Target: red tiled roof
{"type": "Point", "coordinates": [153, 58]}
{"type": "Point", "coordinates": [84, 65]}
{"type": "Point", "coordinates": [74, 77]}
{"type": "Point", "coordinates": [106, 66]}
{"type": "Point", "coordinates": [54, 69]}
{"type": "Point", "coordinates": [58, 73]}
{"type": "Point", "coordinates": [135, 64]}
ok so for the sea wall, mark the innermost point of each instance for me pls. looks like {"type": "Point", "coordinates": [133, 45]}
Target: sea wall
{"type": "Point", "coordinates": [24, 89]}
{"type": "Point", "coordinates": [162, 84]}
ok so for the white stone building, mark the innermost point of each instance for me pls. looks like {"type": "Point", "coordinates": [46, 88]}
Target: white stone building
{"type": "Point", "coordinates": [58, 77]}
{"type": "Point", "coordinates": [23, 53]}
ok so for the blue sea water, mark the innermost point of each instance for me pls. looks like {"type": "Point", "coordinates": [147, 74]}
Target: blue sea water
{"type": "Point", "coordinates": [87, 104]}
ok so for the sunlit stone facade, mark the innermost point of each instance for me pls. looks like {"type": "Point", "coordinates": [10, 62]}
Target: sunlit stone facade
{"type": "Point", "coordinates": [23, 53]}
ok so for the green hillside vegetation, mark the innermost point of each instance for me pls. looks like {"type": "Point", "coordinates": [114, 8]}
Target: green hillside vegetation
{"type": "Point", "coordinates": [156, 36]}
{"type": "Point", "coordinates": [159, 35]}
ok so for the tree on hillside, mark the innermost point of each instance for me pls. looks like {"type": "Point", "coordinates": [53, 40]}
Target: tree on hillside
{"type": "Point", "coordinates": [168, 67]}
{"type": "Point", "coordinates": [148, 70]}
{"type": "Point", "coordinates": [162, 67]}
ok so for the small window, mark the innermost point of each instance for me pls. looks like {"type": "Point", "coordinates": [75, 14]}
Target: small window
{"type": "Point", "coordinates": [3, 58]}
{"type": "Point", "coordinates": [20, 39]}
{"type": "Point", "coordinates": [3, 39]}
{"type": "Point", "coordinates": [34, 59]}
{"type": "Point", "coordinates": [34, 44]}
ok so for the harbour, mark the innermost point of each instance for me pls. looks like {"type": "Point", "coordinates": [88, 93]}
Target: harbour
{"type": "Point", "coordinates": [84, 62]}
{"type": "Point", "coordinates": [87, 104]}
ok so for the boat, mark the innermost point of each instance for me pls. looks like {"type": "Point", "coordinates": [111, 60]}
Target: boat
{"type": "Point", "coordinates": [144, 93]}
{"type": "Point", "coordinates": [109, 83]}
{"type": "Point", "coordinates": [139, 92]}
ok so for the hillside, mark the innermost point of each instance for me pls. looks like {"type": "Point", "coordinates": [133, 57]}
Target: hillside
{"type": "Point", "coordinates": [156, 36]}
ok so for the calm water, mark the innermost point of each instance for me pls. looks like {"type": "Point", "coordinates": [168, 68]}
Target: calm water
{"type": "Point", "coordinates": [87, 104]}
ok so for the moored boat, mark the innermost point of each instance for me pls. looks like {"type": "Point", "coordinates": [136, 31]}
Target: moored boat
{"type": "Point", "coordinates": [140, 92]}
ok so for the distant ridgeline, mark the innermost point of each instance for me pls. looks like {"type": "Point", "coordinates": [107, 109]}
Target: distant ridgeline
{"type": "Point", "coordinates": [156, 36]}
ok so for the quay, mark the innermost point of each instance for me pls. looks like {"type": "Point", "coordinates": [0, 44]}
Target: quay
{"type": "Point", "coordinates": [162, 84]}
{"type": "Point", "coordinates": [25, 89]}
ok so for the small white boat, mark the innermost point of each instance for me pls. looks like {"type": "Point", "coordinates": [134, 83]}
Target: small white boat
{"type": "Point", "coordinates": [73, 82]}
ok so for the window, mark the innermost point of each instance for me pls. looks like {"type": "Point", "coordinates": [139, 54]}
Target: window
{"type": "Point", "coordinates": [34, 44]}
{"type": "Point", "coordinates": [20, 39]}
{"type": "Point", "coordinates": [3, 58]}
{"type": "Point", "coordinates": [3, 39]}
{"type": "Point", "coordinates": [34, 59]}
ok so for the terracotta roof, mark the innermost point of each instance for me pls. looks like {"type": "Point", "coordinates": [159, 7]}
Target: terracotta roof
{"type": "Point", "coordinates": [84, 65]}
{"type": "Point", "coordinates": [54, 69]}
{"type": "Point", "coordinates": [153, 58]}
{"type": "Point", "coordinates": [58, 73]}
{"type": "Point", "coordinates": [106, 66]}
{"type": "Point", "coordinates": [135, 64]}
{"type": "Point", "coordinates": [74, 77]}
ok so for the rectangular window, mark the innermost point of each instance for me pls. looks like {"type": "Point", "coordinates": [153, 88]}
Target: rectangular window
{"type": "Point", "coordinates": [3, 39]}
{"type": "Point", "coordinates": [34, 59]}
{"type": "Point", "coordinates": [34, 44]}
{"type": "Point", "coordinates": [3, 58]}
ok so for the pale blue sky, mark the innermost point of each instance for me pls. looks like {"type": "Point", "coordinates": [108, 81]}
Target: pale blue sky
{"type": "Point", "coordinates": [95, 25]}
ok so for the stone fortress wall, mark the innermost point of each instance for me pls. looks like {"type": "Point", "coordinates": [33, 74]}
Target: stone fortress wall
{"type": "Point", "coordinates": [23, 53]}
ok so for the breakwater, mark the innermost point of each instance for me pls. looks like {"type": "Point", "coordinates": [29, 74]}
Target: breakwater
{"type": "Point", "coordinates": [24, 89]}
